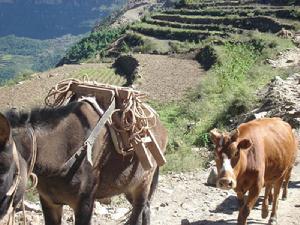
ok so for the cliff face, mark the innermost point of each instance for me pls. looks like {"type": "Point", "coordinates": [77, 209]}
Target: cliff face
{"type": "Point", "coordinates": [44, 19]}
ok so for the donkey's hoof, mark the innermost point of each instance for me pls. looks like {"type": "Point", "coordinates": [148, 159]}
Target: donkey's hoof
{"type": "Point", "coordinates": [273, 221]}
{"type": "Point", "coordinates": [264, 213]}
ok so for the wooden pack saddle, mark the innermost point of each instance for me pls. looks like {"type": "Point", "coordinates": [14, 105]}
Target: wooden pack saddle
{"type": "Point", "coordinates": [130, 123]}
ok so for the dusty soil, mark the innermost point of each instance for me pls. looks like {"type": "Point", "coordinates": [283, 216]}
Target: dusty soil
{"type": "Point", "coordinates": [162, 79]}
{"type": "Point", "coordinates": [32, 92]}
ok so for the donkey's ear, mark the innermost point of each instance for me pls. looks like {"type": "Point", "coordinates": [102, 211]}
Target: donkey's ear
{"type": "Point", "coordinates": [5, 130]}
{"type": "Point", "coordinates": [215, 136]}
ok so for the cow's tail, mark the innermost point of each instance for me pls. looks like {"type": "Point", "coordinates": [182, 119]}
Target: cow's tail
{"type": "Point", "coordinates": [296, 137]}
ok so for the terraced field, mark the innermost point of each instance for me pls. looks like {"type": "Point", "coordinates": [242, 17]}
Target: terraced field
{"type": "Point", "coordinates": [5, 60]}
{"type": "Point", "coordinates": [104, 75]}
{"type": "Point", "coordinates": [196, 21]}
{"type": "Point", "coordinates": [35, 88]}
{"type": "Point", "coordinates": [14, 64]}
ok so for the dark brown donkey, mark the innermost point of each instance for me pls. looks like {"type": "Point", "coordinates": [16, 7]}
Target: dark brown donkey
{"type": "Point", "coordinates": [59, 134]}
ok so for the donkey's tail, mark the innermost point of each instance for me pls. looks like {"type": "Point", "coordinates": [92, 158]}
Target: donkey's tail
{"type": "Point", "coordinates": [153, 183]}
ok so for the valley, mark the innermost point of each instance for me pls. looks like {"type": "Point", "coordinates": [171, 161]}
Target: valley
{"type": "Point", "coordinates": [35, 35]}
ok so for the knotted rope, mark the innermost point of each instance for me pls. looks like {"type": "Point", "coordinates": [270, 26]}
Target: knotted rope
{"type": "Point", "coordinates": [60, 92]}
{"type": "Point", "coordinates": [136, 117]}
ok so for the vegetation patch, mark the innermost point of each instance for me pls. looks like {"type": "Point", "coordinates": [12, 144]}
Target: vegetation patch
{"type": "Point", "coordinates": [262, 23]}
{"type": "Point", "coordinates": [205, 27]}
{"type": "Point", "coordinates": [201, 4]}
{"type": "Point", "coordinates": [207, 57]}
{"type": "Point", "coordinates": [228, 89]}
{"type": "Point", "coordinates": [174, 33]}
{"type": "Point", "coordinates": [95, 45]}
{"type": "Point", "coordinates": [126, 65]}
{"type": "Point", "coordinates": [283, 12]}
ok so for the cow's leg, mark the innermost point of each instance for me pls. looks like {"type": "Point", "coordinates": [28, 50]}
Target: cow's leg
{"type": "Point", "coordinates": [249, 204]}
{"type": "Point", "coordinates": [271, 196]}
{"type": "Point", "coordinates": [273, 218]}
{"type": "Point", "coordinates": [265, 204]}
{"type": "Point", "coordinates": [52, 213]}
{"type": "Point", "coordinates": [286, 183]}
{"type": "Point", "coordinates": [84, 209]}
{"type": "Point", "coordinates": [241, 198]}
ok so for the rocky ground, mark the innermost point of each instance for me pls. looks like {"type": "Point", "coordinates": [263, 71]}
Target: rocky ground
{"type": "Point", "coordinates": [186, 199]}
{"type": "Point", "coordinates": [290, 57]}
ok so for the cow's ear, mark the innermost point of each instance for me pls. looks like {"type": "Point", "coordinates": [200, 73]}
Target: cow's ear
{"type": "Point", "coordinates": [215, 136]}
{"type": "Point", "coordinates": [244, 144]}
{"type": "Point", "coordinates": [234, 135]}
{"type": "Point", "coordinates": [5, 130]}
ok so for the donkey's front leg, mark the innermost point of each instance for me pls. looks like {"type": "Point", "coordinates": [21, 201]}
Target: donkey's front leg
{"type": "Point", "coordinates": [52, 212]}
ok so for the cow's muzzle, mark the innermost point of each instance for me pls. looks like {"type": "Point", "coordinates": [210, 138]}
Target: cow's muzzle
{"type": "Point", "coordinates": [226, 183]}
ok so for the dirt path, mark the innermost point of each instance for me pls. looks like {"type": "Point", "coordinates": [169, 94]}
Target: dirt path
{"type": "Point", "coordinates": [290, 57]}
{"type": "Point", "coordinates": [185, 199]}
{"type": "Point", "coordinates": [167, 78]}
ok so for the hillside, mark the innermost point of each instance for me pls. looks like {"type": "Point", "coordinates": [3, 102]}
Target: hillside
{"type": "Point", "coordinates": [34, 35]}
{"type": "Point", "coordinates": [20, 57]}
{"type": "Point", "coordinates": [216, 63]}
{"type": "Point", "coordinates": [204, 64]}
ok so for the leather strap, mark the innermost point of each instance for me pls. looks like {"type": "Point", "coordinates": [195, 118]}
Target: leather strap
{"type": "Point", "coordinates": [86, 149]}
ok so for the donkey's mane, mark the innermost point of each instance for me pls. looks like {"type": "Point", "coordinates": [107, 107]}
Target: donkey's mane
{"type": "Point", "coordinates": [40, 116]}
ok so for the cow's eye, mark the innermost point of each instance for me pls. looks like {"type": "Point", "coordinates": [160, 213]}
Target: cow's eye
{"type": "Point", "coordinates": [236, 154]}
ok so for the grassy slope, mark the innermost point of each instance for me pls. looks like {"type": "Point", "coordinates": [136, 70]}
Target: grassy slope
{"type": "Point", "coordinates": [228, 89]}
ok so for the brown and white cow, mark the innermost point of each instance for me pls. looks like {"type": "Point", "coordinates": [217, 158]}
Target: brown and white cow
{"type": "Point", "coordinates": [257, 154]}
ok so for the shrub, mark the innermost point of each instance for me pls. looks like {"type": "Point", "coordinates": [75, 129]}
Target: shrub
{"type": "Point", "coordinates": [95, 43]}
{"type": "Point", "coordinates": [207, 57]}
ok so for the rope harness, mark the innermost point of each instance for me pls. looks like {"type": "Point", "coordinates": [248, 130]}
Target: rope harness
{"type": "Point", "coordinates": [17, 178]}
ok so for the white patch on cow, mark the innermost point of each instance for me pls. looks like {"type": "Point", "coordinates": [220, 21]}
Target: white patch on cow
{"type": "Point", "coordinates": [226, 167]}
{"type": "Point", "coordinates": [221, 141]}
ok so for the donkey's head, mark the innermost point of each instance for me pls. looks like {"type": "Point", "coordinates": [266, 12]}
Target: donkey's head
{"type": "Point", "coordinates": [12, 186]}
